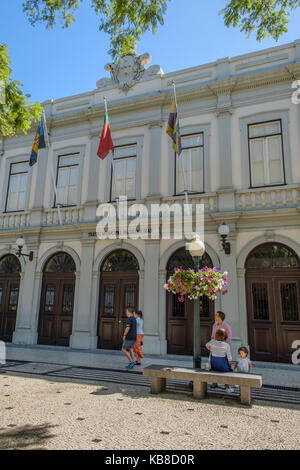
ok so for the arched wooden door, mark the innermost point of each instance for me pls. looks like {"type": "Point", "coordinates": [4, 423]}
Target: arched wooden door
{"type": "Point", "coordinates": [273, 301]}
{"type": "Point", "coordinates": [180, 316]}
{"type": "Point", "coordinates": [10, 269]}
{"type": "Point", "coordinates": [119, 289]}
{"type": "Point", "coordinates": [57, 301]}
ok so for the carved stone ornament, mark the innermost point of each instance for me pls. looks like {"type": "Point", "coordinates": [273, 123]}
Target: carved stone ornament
{"type": "Point", "coordinates": [128, 71]}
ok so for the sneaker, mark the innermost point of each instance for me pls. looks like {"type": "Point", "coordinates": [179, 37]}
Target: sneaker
{"type": "Point", "coordinates": [130, 365]}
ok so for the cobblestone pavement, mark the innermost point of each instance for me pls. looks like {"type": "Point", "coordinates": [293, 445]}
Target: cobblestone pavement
{"type": "Point", "coordinates": [55, 413]}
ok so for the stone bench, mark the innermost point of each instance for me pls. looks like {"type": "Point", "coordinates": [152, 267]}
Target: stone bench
{"type": "Point", "coordinates": [158, 375]}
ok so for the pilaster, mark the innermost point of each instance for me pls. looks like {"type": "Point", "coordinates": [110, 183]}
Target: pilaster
{"type": "Point", "coordinates": [25, 332]}
{"type": "Point", "coordinates": [82, 337]}
{"type": "Point", "coordinates": [151, 297]}
{"type": "Point", "coordinates": [154, 159]}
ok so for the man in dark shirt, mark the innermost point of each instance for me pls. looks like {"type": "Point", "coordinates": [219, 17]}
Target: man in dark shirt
{"type": "Point", "coordinates": [129, 338]}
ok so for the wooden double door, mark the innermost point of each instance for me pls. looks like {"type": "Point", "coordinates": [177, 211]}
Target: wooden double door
{"type": "Point", "coordinates": [9, 296]}
{"type": "Point", "coordinates": [118, 291]}
{"type": "Point", "coordinates": [56, 310]}
{"type": "Point", "coordinates": [180, 325]}
{"type": "Point", "coordinates": [273, 302]}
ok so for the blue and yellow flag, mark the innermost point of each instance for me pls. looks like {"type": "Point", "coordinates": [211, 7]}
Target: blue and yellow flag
{"type": "Point", "coordinates": [173, 129]}
{"type": "Point", "coordinates": [39, 143]}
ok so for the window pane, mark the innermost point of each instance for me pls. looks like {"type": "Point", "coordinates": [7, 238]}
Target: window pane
{"type": "Point", "coordinates": [67, 306]}
{"type": "Point", "coordinates": [69, 160]}
{"type": "Point", "coordinates": [130, 178]}
{"type": "Point", "coordinates": [60, 195]}
{"type": "Point", "coordinates": [23, 182]}
{"type": "Point", "coordinates": [129, 296]}
{"type": "Point", "coordinates": [130, 188]}
{"type": "Point", "coordinates": [128, 151]}
{"type": "Point", "coordinates": [72, 195]}
{"type": "Point", "coordinates": [275, 159]}
{"type": "Point", "coordinates": [12, 202]}
{"type": "Point", "coordinates": [109, 300]}
{"type": "Point", "coordinates": [204, 307]}
{"type": "Point", "coordinates": [21, 201]}
{"type": "Point", "coordinates": [182, 172]}
{"type": "Point", "coordinates": [49, 298]}
{"type": "Point", "coordinates": [62, 178]}
{"type": "Point", "coordinates": [13, 184]}
{"type": "Point", "coordinates": [192, 141]}
{"type": "Point", "coordinates": [197, 170]}
{"type": "Point", "coordinates": [257, 162]}
{"type": "Point", "coordinates": [260, 301]}
{"type": "Point", "coordinates": [260, 130]}
{"type": "Point", "coordinates": [191, 163]}
{"type": "Point", "coordinates": [121, 261]}
{"type": "Point", "coordinates": [178, 308]}
{"type": "Point", "coordinates": [124, 178]}
{"type": "Point", "coordinates": [73, 176]}
{"type": "Point", "coordinates": [19, 168]}
{"type": "Point", "coordinates": [289, 302]}
{"type": "Point", "coordinates": [13, 299]}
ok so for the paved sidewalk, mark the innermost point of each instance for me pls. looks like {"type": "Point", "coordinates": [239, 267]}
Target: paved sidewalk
{"type": "Point", "coordinates": [63, 414]}
{"type": "Point", "coordinates": [284, 375]}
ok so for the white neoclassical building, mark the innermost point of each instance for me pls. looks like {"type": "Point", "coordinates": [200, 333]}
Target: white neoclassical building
{"type": "Point", "coordinates": [241, 139]}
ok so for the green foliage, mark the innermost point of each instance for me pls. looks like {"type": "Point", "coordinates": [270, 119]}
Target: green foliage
{"type": "Point", "coordinates": [16, 114]}
{"type": "Point", "coordinates": [266, 17]}
{"type": "Point", "coordinates": [124, 20]}
{"type": "Point", "coordinates": [50, 11]}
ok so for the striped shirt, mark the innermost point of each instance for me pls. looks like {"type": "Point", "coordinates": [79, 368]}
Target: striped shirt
{"type": "Point", "coordinates": [219, 349]}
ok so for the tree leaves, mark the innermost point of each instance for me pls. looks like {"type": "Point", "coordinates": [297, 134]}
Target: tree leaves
{"type": "Point", "coordinates": [266, 17]}
{"type": "Point", "coordinates": [16, 113]}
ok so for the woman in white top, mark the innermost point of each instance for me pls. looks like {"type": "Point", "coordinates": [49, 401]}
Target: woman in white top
{"type": "Point", "coordinates": [139, 337]}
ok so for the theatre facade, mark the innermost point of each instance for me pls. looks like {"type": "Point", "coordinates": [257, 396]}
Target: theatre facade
{"type": "Point", "coordinates": [240, 127]}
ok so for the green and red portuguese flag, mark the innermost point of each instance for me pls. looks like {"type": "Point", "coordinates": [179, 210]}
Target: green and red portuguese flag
{"type": "Point", "coordinates": [106, 144]}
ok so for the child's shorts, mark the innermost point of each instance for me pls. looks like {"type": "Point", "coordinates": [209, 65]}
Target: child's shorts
{"type": "Point", "coordinates": [220, 364]}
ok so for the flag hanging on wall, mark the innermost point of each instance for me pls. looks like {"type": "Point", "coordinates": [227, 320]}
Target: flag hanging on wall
{"type": "Point", "coordinates": [173, 128]}
{"type": "Point", "coordinates": [39, 143]}
{"type": "Point", "coordinates": [106, 144]}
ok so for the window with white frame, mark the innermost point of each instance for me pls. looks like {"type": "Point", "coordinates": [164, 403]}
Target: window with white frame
{"type": "Point", "coordinates": [67, 179]}
{"type": "Point", "coordinates": [266, 154]}
{"type": "Point", "coordinates": [190, 165]}
{"type": "Point", "coordinates": [17, 187]}
{"type": "Point", "coordinates": [123, 180]}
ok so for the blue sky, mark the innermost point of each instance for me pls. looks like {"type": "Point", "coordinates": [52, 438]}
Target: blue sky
{"type": "Point", "coordinates": [62, 62]}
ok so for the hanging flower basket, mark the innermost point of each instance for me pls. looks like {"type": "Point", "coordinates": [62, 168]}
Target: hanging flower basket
{"type": "Point", "coordinates": [207, 281]}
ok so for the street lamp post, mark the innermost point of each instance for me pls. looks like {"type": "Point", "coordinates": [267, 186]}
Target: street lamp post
{"type": "Point", "coordinates": [197, 250]}
{"type": "Point", "coordinates": [20, 244]}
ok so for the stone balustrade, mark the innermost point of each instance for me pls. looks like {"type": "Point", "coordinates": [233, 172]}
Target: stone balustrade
{"type": "Point", "coordinates": [14, 220]}
{"type": "Point", "coordinates": [69, 215]}
{"type": "Point", "coordinates": [245, 200]}
{"type": "Point", "coordinates": [210, 201]}
{"type": "Point", "coordinates": [271, 197]}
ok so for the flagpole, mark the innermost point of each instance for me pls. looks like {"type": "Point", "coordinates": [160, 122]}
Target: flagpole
{"type": "Point", "coordinates": [182, 169]}
{"type": "Point", "coordinates": [47, 142]}
{"type": "Point", "coordinates": [112, 156]}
